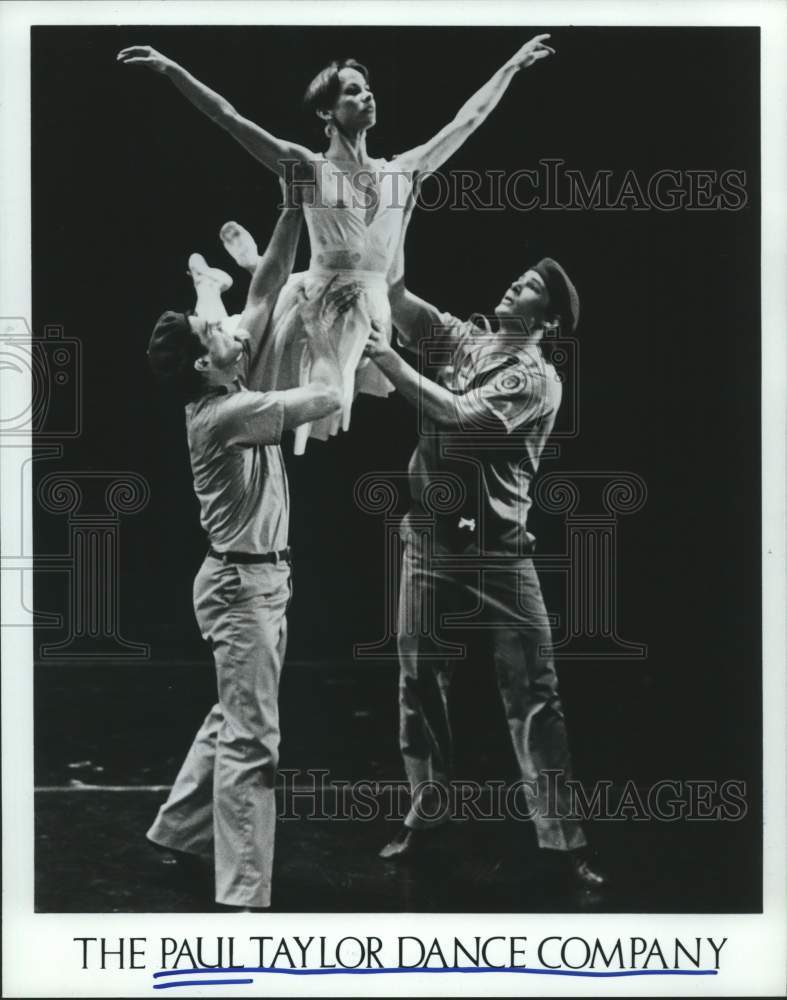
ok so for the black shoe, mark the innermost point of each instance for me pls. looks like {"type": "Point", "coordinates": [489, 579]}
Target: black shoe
{"type": "Point", "coordinates": [192, 872]}
{"type": "Point", "coordinates": [407, 843]}
{"type": "Point", "coordinates": [584, 874]}
{"type": "Point", "coordinates": [574, 868]}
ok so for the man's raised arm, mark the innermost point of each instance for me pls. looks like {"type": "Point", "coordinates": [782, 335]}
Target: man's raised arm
{"type": "Point", "coordinates": [444, 408]}
{"type": "Point", "coordinates": [260, 417]}
{"type": "Point", "coordinates": [415, 319]}
{"type": "Point", "coordinates": [272, 271]}
{"type": "Point", "coordinates": [322, 394]}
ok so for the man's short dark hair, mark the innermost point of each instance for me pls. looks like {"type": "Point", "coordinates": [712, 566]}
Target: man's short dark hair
{"type": "Point", "coordinates": [563, 296]}
{"type": "Point", "coordinates": [172, 351]}
{"type": "Point", "coordinates": [322, 92]}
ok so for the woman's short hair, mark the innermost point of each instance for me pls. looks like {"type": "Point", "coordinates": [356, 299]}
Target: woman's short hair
{"type": "Point", "coordinates": [322, 92]}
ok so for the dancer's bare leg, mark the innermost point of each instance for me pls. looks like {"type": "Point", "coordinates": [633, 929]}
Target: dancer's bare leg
{"type": "Point", "coordinates": [240, 245]}
{"type": "Point", "coordinates": [209, 283]}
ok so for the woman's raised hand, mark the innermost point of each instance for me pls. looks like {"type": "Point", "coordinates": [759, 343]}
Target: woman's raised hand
{"type": "Point", "coordinates": [531, 52]}
{"type": "Point", "coordinates": [145, 55]}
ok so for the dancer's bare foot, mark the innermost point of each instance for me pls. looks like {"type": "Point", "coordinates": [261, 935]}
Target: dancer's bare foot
{"type": "Point", "coordinates": [200, 271]}
{"type": "Point", "coordinates": [209, 283]}
{"type": "Point", "coordinates": [240, 245]}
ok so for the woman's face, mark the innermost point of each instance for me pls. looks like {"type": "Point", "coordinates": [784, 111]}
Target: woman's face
{"type": "Point", "coordinates": [354, 109]}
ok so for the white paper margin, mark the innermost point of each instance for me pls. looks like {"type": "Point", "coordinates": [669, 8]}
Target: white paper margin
{"type": "Point", "coordinates": [39, 955]}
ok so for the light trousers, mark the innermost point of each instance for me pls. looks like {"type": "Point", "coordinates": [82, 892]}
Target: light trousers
{"type": "Point", "coordinates": [223, 800]}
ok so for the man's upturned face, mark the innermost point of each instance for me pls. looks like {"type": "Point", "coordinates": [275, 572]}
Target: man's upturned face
{"type": "Point", "coordinates": [223, 350]}
{"type": "Point", "coordinates": [526, 298]}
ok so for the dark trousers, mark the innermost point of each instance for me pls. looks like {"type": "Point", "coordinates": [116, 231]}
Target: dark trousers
{"type": "Point", "coordinates": [512, 620]}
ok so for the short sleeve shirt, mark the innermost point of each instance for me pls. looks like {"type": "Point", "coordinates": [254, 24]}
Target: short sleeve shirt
{"type": "Point", "coordinates": [239, 475]}
{"type": "Point", "coordinates": [507, 399]}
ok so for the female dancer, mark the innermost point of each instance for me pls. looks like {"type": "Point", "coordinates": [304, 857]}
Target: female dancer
{"type": "Point", "coordinates": [354, 214]}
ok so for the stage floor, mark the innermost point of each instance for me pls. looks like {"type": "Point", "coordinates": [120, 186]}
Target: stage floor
{"type": "Point", "coordinates": [91, 857]}
{"type": "Point", "coordinates": [110, 739]}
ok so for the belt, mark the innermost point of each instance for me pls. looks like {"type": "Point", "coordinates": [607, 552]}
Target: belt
{"type": "Point", "coordinates": [283, 555]}
{"type": "Point", "coordinates": [348, 274]}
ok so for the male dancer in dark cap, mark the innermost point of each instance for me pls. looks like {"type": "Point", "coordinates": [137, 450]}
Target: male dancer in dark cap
{"type": "Point", "coordinates": [222, 804]}
{"type": "Point", "coordinates": [484, 421]}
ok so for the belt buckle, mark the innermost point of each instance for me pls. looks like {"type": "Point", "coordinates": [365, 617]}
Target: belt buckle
{"type": "Point", "coordinates": [276, 558]}
{"type": "Point", "coordinates": [224, 559]}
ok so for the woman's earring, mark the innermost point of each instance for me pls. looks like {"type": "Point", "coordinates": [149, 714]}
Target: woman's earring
{"type": "Point", "coordinates": [329, 129]}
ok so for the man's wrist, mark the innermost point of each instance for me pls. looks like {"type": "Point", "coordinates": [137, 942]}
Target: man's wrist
{"type": "Point", "coordinates": [321, 347]}
{"type": "Point", "coordinates": [388, 362]}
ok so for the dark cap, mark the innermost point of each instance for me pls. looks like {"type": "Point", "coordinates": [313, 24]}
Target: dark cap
{"type": "Point", "coordinates": [173, 346]}
{"type": "Point", "coordinates": [563, 296]}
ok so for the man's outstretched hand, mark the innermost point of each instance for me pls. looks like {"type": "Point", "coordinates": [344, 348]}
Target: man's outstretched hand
{"type": "Point", "coordinates": [378, 347]}
{"type": "Point", "coordinates": [145, 55]}
{"type": "Point", "coordinates": [320, 312]}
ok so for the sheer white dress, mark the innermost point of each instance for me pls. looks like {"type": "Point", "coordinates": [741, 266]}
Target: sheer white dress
{"type": "Point", "coordinates": [354, 233]}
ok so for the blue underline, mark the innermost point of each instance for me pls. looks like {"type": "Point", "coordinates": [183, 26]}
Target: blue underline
{"type": "Point", "coordinates": [397, 970]}
{"type": "Point", "coordinates": [204, 982]}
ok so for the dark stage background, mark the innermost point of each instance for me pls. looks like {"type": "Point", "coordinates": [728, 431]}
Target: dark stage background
{"type": "Point", "coordinates": [128, 179]}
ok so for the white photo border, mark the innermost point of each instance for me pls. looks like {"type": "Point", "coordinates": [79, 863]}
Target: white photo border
{"type": "Point", "coordinates": [40, 957]}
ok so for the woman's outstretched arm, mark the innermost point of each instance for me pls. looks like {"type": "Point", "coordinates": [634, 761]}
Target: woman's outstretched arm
{"type": "Point", "coordinates": [437, 150]}
{"type": "Point", "coordinates": [268, 149]}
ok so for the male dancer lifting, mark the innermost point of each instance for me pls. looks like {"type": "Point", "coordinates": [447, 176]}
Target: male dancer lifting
{"type": "Point", "coordinates": [222, 804]}
{"type": "Point", "coordinates": [485, 419]}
